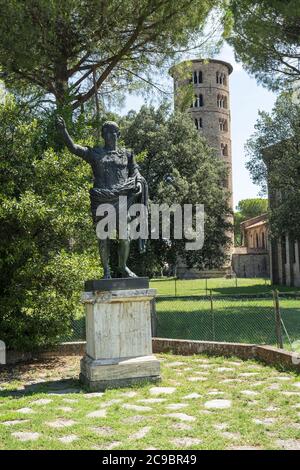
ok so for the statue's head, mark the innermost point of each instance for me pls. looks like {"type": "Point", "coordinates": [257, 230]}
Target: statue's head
{"type": "Point", "coordinates": [110, 132]}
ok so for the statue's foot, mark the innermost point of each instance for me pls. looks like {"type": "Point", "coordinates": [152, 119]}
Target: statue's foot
{"type": "Point", "coordinates": [106, 275]}
{"type": "Point", "coordinates": [127, 273]}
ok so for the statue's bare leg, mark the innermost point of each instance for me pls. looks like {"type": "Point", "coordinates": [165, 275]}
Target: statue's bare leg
{"type": "Point", "coordinates": [123, 252]}
{"type": "Point", "coordinates": [104, 256]}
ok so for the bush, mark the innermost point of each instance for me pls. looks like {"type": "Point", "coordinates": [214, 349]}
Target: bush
{"type": "Point", "coordinates": [48, 245]}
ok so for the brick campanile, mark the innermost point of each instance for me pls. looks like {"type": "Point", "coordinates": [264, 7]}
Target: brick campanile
{"type": "Point", "coordinates": [210, 105]}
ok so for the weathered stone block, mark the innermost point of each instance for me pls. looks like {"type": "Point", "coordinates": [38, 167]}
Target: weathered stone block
{"type": "Point", "coordinates": [119, 342]}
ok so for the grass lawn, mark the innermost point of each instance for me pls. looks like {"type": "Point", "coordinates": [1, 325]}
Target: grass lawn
{"type": "Point", "coordinates": [212, 403]}
{"type": "Point", "coordinates": [168, 286]}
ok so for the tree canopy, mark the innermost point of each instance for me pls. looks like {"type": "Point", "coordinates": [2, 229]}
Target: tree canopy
{"type": "Point", "coordinates": [67, 50]}
{"type": "Point", "coordinates": [47, 241]}
{"type": "Point", "coordinates": [274, 161]}
{"type": "Point", "coordinates": [246, 209]}
{"type": "Point", "coordinates": [266, 39]}
{"type": "Point", "coordinates": [181, 168]}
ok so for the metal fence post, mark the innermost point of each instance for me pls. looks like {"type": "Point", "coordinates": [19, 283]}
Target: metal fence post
{"type": "Point", "coordinates": [206, 289]}
{"type": "Point", "coordinates": [212, 316]}
{"type": "Point", "coordinates": [175, 286]}
{"type": "Point", "coordinates": [236, 281]}
{"type": "Point", "coordinates": [153, 318]}
{"type": "Point", "coordinates": [277, 319]}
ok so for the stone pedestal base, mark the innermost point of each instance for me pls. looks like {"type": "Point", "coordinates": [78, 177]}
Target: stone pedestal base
{"type": "Point", "coordinates": [119, 340]}
{"type": "Point", "coordinates": [98, 375]}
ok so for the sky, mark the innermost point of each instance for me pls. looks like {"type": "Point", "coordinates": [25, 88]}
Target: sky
{"type": "Point", "coordinates": [247, 98]}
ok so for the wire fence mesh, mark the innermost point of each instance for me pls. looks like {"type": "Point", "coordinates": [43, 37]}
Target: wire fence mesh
{"type": "Point", "coordinates": [250, 318]}
{"type": "Point", "coordinates": [237, 319]}
{"type": "Point", "coordinates": [290, 319]}
{"type": "Point", "coordinates": [178, 287]}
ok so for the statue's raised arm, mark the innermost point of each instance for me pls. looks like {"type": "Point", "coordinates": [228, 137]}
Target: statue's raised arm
{"type": "Point", "coordinates": [78, 150]}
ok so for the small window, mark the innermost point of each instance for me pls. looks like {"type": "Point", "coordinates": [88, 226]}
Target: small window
{"type": "Point", "coordinates": [197, 77]}
{"type": "Point", "coordinates": [221, 78]}
{"type": "Point", "coordinates": [198, 123]}
{"type": "Point", "coordinates": [223, 125]}
{"type": "Point", "coordinates": [222, 101]}
{"type": "Point", "coordinates": [198, 101]}
{"type": "Point", "coordinates": [224, 150]}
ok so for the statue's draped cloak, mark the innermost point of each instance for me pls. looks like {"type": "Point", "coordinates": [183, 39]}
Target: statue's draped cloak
{"type": "Point", "coordinates": [116, 174]}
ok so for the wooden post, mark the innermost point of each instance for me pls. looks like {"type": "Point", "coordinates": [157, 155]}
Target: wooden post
{"type": "Point", "coordinates": [277, 319]}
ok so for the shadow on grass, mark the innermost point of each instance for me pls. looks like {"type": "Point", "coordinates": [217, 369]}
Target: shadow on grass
{"type": "Point", "coordinates": [33, 377]}
{"type": "Point", "coordinates": [255, 289]}
{"type": "Point", "coordinates": [50, 387]}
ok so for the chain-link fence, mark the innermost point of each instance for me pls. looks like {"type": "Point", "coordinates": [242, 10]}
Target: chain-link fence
{"type": "Point", "coordinates": [179, 287]}
{"type": "Point", "coordinates": [269, 318]}
{"type": "Point", "coordinates": [289, 317]}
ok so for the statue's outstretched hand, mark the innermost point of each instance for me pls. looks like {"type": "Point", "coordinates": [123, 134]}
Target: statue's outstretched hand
{"type": "Point", "coordinates": [60, 122]}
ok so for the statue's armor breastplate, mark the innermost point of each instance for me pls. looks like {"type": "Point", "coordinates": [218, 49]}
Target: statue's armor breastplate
{"type": "Point", "coordinates": [109, 168]}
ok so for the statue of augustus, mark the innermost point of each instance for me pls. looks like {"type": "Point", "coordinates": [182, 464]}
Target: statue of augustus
{"type": "Point", "coordinates": [115, 174]}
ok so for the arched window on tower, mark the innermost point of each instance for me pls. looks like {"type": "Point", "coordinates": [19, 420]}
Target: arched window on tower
{"type": "Point", "coordinates": [221, 78]}
{"type": "Point", "coordinates": [224, 150]}
{"type": "Point", "coordinates": [197, 77]}
{"type": "Point", "coordinates": [198, 123]}
{"type": "Point", "coordinates": [223, 125]}
{"type": "Point", "coordinates": [222, 101]}
{"type": "Point", "coordinates": [199, 102]}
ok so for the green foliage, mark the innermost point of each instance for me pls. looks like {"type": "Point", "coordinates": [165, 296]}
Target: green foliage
{"type": "Point", "coordinates": [246, 209]}
{"type": "Point", "coordinates": [47, 246]}
{"type": "Point", "coordinates": [275, 146]}
{"type": "Point", "coordinates": [249, 208]}
{"type": "Point", "coordinates": [180, 169]}
{"type": "Point", "coordinates": [67, 41]}
{"type": "Point", "coordinates": [266, 38]}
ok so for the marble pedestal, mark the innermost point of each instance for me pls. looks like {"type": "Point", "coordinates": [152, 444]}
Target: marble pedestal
{"type": "Point", "coordinates": [119, 341]}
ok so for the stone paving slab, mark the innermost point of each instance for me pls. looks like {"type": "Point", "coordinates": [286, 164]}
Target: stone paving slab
{"type": "Point", "coordinates": [218, 407]}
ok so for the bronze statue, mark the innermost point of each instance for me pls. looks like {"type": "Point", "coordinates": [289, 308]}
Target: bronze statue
{"type": "Point", "coordinates": [115, 174]}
